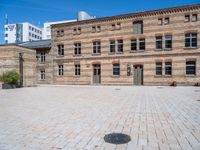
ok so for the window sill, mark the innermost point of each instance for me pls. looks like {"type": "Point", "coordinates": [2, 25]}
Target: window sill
{"type": "Point", "coordinates": [167, 76]}
{"type": "Point", "coordinates": [60, 56]}
{"type": "Point", "coordinates": [158, 76]}
{"type": "Point", "coordinates": [113, 53]}
{"type": "Point", "coordinates": [115, 76]}
{"type": "Point", "coordinates": [158, 50]}
{"type": "Point", "coordinates": [189, 48]}
{"type": "Point", "coordinates": [167, 49]}
{"type": "Point", "coordinates": [60, 76]}
{"type": "Point", "coordinates": [96, 54]}
{"type": "Point", "coordinates": [77, 55]}
{"type": "Point", "coordinates": [77, 76]}
{"type": "Point", "coordinates": [42, 79]}
{"type": "Point", "coordinates": [190, 76]}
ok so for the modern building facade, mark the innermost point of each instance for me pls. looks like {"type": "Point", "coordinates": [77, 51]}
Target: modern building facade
{"type": "Point", "coordinates": [160, 47]}
{"type": "Point", "coordinates": [21, 32]}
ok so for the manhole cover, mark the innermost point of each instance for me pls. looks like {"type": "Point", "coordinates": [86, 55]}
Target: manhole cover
{"type": "Point", "coordinates": [198, 100]}
{"type": "Point", "coordinates": [197, 90]}
{"type": "Point", "coordinates": [117, 138]}
{"type": "Point", "coordinates": [117, 89]}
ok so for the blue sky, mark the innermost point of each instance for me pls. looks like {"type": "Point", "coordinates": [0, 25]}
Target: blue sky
{"type": "Point", "coordinates": [40, 11]}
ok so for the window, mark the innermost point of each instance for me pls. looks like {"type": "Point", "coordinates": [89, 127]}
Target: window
{"type": "Point", "coordinates": [113, 26]}
{"type": "Point", "coordinates": [96, 47]}
{"type": "Point", "coordinates": [168, 68]}
{"type": "Point", "coordinates": [159, 68]}
{"type": "Point", "coordinates": [62, 32]}
{"type": "Point", "coordinates": [42, 74]}
{"type": "Point", "coordinates": [77, 49]}
{"type": "Point", "coordinates": [6, 29]}
{"type": "Point", "coordinates": [118, 26]}
{"type": "Point", "coordinates": [138, 27]}
{"type": "Point", "coordinates": [166, 21]}
{"type": "Point", "coordinates": [116, 69]}
{"type": "Point", "coordinates": [60, 70]}
{"type": "Point", "coordinates": [6, 35]}
{"type": "Point", "coordinates": [42, 57]}
{"type": "Point", "coordinates": [112, 46]}
{"type": "Point", "coordinates": [159, 42]}
{"type": "Point", "coordinates": [60, 50]}
{"type": "Point", "coordinates": [194, 17]}
{"type": "Point", "coordinates": [29, 27]}
{"type": "Point", "coordinates": [191, 40]}
{"type": "Point", "coordinates": [6, 41]}
{"type": "Point", "coordinates": [168, 41]}
{"type": "Point", "coordinates": [141, 44]}
{"type": "Point", "coordinates": [96, 29]}
{"type": "Point", "coordinates": [187, 18]}
{"type": "Point", "coordinates": [190, 67]}
{"type": "Point", "coordinates": [119, 45]}
{"type": "Point", "coordinates": [77, 70]}
{"type": "Point", "coordinates": [116, 46]}
{"type": "Point", "coordinates": [93, 29]}
{"type": "Point", "coordinates": [77, 30]}
{"type": "Point", "coordinates": [134, 45]}
{"type": "Point", "coordinates": [160, 21]}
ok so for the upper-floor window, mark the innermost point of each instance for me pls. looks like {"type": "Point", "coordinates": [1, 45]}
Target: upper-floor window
{"type": "Point", "coordinates": [133, 44]}
{"type": "Point", "coordinates": [159, 68]}
{"type": "Point", "coordinates": [77, 31]}
{"type": "Point", "coordinates": [96, 29]}
{"type": "Point", "coordinates": [116, 46]}
{"type": "Point", "coordinates": [163, 21]}
{"type": "Point", "coordinates": [190, 67]}
{"type": "Point", "coordinates": [42, 57]}
{"type": "Point", "coordinates": [116, 26]}
{"type": "Point", "coordinates": [96, 47]}
{"type": "Point", "coordinates": [60, 70]}
{"type": "Point", "coordinates": [191, 17]}
{"type": "Point", "coordinates": [158, 42]}
{"type": "Point", "coordinates": [116, 69]}
{"type": "Point", "coordinates": [61, 50]}
{"type": "Point", "coordinates": [168, 42]}
{"type": "Point", "coordinates": [6, 35]}
{"type": "Point", "coordinates": [191, 40]}
{"type": "Point", "coordinates": [168, 68]}
{"type": "Point", "coordinates": [141, 44]}
{"type": "Point", "coordinates": [138, 27]}
{"type": "Point", "coordinates": [42, 74]}
{"type": "Point", "coordinates": [60, 32]}
{"type": "Point", "coordinates": [77, 49]}
{"type": "Point", "coordinates": [77, 70]}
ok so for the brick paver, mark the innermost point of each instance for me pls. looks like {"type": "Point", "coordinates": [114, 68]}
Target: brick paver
{"type": "Point", "coordinates": [78, 117]}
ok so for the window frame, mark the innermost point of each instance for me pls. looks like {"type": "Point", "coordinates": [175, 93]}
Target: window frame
{"type": "Point", "coordinates": [77, 69]}
{"type": "Point", "coordinates": [168, 68]}
{"type": "Point", "coordinates": [159, 42]}
{"type": "Point", "coordinates": [77, 49]}
{"type": "Point", "coordinates": [191, 37]}
{"type": "Point", "coordinates": [139, 25]}
{"type": "Point", "coordinates": [186, 66]}
{"type": "Point", "coordinates": [42, 57]}
{"type": "Point", "coordinates": [61, 50]}
{"type": "Point", "coordinates": [116, 69]}
{"type": "Point", "coordinates": [133, 44]}
{"type": "Point", "coordinates": [170, 42]}
{"type": "Point", "coordinates": [96, 47]}
{"type": "Point", "coordinates": [60, 70]}
{"type": "Point", "coordinates": [158, 69]}
{"type": "Point", "coordinates": [42, 74]}
{"type": "Point", "coordinates": [142, 44]}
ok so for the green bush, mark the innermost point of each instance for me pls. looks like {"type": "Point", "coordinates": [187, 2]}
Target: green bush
{"type": "Point", "coordinates": [10, 77]}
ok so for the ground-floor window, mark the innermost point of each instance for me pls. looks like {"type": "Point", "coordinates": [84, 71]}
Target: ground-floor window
{"type": "Point", "coordinates": [42, 74]}
{"type": "Point", "coordinates": [159, 68]}
{"type": "Point", "coordinates": [77, 70]}
{"type": "Point", "coordinates": [168, 68]}
{"type": "Point", "coordinates": [60, 70]}
{"type": "Point", "coordinates": [116, 69]}
{"type": "Point", "coordinates": [190, 67]}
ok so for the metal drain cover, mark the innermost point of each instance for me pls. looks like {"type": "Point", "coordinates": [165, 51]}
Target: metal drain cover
{"type": "Point", "coordinates": [117, 138]}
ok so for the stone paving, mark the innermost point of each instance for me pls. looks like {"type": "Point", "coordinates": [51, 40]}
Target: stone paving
{"type": "Point", "coordinates": [78, 117]}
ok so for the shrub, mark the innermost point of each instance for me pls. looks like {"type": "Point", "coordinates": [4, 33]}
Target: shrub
{"type": "Point", "coordinates": [10, 77]}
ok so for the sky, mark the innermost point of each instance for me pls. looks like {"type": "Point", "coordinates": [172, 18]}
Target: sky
{"type": "Point", "coordinates": [40, 11]}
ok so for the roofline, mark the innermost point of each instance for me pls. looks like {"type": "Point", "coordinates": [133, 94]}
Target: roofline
{"type": "Point", "coordinates": [138, 14]}
{"type": "Point", "coordinates": [14, 44]}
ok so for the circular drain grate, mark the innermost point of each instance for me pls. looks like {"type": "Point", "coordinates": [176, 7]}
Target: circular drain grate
{"type": "Point", "coordinates": [117, 138]}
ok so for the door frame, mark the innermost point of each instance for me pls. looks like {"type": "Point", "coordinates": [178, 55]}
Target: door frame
{"type": "Point", "coordinates": [99, 67]}
{"type": "Point", "coordinates": [142, 74]}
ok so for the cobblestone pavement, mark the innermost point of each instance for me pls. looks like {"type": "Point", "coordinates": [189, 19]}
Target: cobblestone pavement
{"type": "Point", "coordinates": [78, 117]}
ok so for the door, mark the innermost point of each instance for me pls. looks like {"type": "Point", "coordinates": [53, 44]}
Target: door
{"type": "Point", "coordinates": [138, 75]}
{"type": "Point", "coordinates": [97, 74]}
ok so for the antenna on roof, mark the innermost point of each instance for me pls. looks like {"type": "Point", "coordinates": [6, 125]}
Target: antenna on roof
{"type": "Point", "coordinates": [6, 19]}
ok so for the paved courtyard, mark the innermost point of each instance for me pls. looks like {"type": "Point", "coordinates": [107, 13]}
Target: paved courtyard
{"type": "Point", "coordinates": [78, 117]}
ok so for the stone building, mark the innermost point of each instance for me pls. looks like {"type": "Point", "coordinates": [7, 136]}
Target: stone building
{"type": "Point", "coordinates": [23, 60]}
{"type": "Point", "coordinates": [156, 47]}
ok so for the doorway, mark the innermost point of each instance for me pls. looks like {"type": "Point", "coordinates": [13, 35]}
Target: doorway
{"type": "Point", "coordinates": [138, 75]}
{"type": "Point", "coordinates": [96, 74]}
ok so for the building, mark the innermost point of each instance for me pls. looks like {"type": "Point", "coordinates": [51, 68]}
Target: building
{"type": "Point", "coordinates": [23, 60]}
{"type": "Point", "coordinates": [47, 28]}
{"type": "Point", "coordinates": [21, 32]}
{"type": "Point", "coordinates": [159, 47]}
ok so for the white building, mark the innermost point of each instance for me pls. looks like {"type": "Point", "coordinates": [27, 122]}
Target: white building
{"type": "Point", "coordinates": [47, 28]}
{"type": "Point", "coordinates": [21, 32]}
